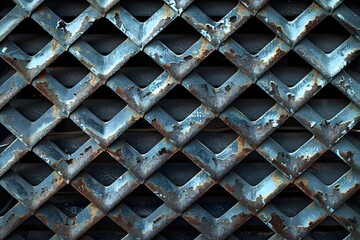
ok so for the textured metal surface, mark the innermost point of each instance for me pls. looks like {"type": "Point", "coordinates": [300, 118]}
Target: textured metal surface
{"type": "Point", "coordinates": [179, 119]}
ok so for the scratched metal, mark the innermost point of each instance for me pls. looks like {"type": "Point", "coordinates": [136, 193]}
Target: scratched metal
{"type": "Point", "coordinates": [207, 130]}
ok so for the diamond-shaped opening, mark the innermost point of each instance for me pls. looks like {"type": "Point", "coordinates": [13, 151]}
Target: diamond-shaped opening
{"type": "Point", "coordinates": [328, 168]}
{"type": "Point", "coordinates": [254, 228]}
{"type": "Point", "coordinates": [178, 36]}
{"type": "Point", "coordinates": [105, 169]}
{"type": "Point", "coordinates": [31, 103]}
{"type": "Point", "coordinates": [216, 9]}
{"type": "Point", "coordinates": [353, 6]}
{"type": "Point", "coordinates": [67, 70]}
{"type": "Point", "coordinates": [291, 135]}
{"type": "Point", "coordinates": [68, 136]}
{"type": "Point", "coordinates": [254, 162]}
{"type": "Point", "coordinates": [7, 202]}
{"type": "Point", "coordinates": [253, 35]}
{"type": "Point", "coordinates": [290, 10]}
{"type": "Point", "coordinates": [179, 103]}
{"type": "Point", "coordinates": [106, 229]}
{"type": "Point", "coordinates": [328, 102]}
{"type": "Point", "coordinates": [216, 69]}
{"type": "Point", "coordinates": [103, 36]}
{"type": "Point", "coordinates": [69, 201]}
{"type": "Point", "coordinates": [217, 201]}
{"type": "Point", "coordinates": [6, 7]}
{"type": "Point", "coordinates": [354, 202]}
{"type": "Point", "coordinates": [142, 136]}
{"type": "Point", "coordinates": [29, 37]}
{"type": "Point", "coordinates": [328, 35]}
{"type": "Point", "coordinates": [32, 229]}
{"type": "Point", "coordinates": [32, 168]}
{"type": "Point", "coordinates": [179, 169]}
{"type": "Point", "coordinates": [253, 102]}
{"type": "Point", "coordinates": [216, 136]}
{"type": "Point", "coordinates": [141, 70]}
{"type": "Point", "coordinates": [328, 229]}
{"type": "Point", "coordinates": [6, 71]}
{"type": "Point", "coordinates": [68, 10]}
{"type": "Point", "coordinates": [291, 69]}
{"type": "Point", "coordinates": [179, 229]}
{"type": "Point", "coordinates": [142, 10]}
{"type": "Point", "coordinates": [104, 103]}
{"type": "Point", "coordinates": [6, 138]}
{"type": "Point", "coordinates": [142, 201]}
{"type": "Point", "coordinates": [291, 201]}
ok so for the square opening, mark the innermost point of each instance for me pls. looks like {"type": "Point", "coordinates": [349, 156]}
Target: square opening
{"type": "Point", "coordinates": [328, 35]}
{"type": "Point", "coordinates": [216, 9]}
{"type": "Point", "coordinates": [68, 10]}
{"type": "Point", "coordinates": [105, 169]}
{"type": "Point", "coordinates": [290, 10]}
{"type": "Point", "coordinates": [103, 36]}
{"type": "Point", "coordinates": [31, 103]}
{"type": "Point", "coordinates": [253, 35]}
{"type": "Point", "coordinates": [142, 10]}
{"type": "Point", "coordinates": [179, 169]}
{"type": "Point", "coordinates": [29, 37]}
{"type": "Point", "coordinates": [217, 201]}
{"type": "Point", "coordinates": [178, 36]}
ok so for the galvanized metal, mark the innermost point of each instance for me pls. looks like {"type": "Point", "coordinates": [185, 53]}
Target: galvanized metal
{"type": "Point", "coordinates": [102, 126]}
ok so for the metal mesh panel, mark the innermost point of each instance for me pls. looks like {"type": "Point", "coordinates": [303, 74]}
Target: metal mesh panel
{"type": "Point", "coordinates": [179, 119]}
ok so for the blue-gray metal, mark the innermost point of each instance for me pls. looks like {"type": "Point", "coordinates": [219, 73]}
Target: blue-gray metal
{"type": "Point", "coordinates": [179, 135]}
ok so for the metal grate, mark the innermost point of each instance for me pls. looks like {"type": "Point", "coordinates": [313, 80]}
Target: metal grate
{"type": "Point", "coordinates": [179, 119]}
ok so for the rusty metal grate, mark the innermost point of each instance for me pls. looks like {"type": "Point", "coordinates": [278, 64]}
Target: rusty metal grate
{"type": "Point", "coordinates": [179, 119]}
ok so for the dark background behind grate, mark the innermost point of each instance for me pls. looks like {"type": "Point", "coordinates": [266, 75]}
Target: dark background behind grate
{"type": "Point", "coordinates": [253, 102]}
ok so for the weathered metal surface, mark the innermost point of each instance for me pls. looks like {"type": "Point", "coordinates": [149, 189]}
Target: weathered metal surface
{"type": "Point", "coordinates": [207, 147]}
